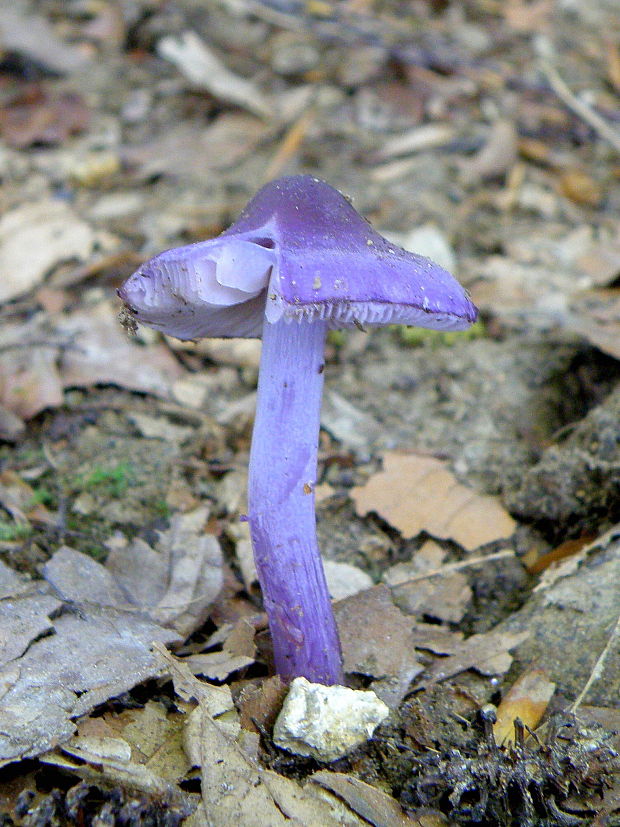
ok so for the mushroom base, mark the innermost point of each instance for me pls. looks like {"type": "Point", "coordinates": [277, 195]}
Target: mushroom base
{"type": "Point", "coordinates": [282, 476]}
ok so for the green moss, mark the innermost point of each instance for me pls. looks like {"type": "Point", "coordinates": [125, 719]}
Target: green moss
{"type": "Point", "coordinates": [109, 482]}
{"type": "Point", "coordinates": [416, 336]}
{"type": "Point", "coordinates": [42, 496]}
{"type": "Point", "coordinates": [12, 532]}
{"type": "Point", "coordinates": [336, 338]}
{"type": "Point", "coordinates": [162, 508]}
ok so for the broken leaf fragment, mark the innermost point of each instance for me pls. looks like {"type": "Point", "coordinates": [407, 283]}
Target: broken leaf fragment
{"type": "Point", "coordinates": [138, 748]}
{"type": "Point", "coordinates": [527, 699]}
{"type": "Point", "coordinates": [87, 657]}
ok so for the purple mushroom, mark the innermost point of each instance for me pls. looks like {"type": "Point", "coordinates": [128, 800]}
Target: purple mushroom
{"type": "Point", "coordinates": [298, 261]}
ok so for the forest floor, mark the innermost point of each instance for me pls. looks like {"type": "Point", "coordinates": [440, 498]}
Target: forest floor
{"type": "Point", "coordinates": [136, 683]}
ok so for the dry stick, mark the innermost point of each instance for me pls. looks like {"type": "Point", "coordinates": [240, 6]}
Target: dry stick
{"type": "Point", "coordinates": [598, 666]}
{"type": "Point", "coordinates": [579, 107]}
{"type": "Point", "coordinates": [462, 564]}
{"type": "Point", "coordinates": [290, 144]}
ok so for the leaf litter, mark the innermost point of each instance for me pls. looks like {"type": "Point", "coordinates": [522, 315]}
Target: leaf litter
{"type": "Point", "coordinates": [383, 112]}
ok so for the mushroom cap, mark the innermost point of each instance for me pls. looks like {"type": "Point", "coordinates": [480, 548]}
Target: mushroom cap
{"type": "Point", "coordinates": [298, 251]}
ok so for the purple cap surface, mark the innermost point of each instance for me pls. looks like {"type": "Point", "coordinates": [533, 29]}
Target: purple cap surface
{"type": "Point", "coordinates": [299, 250]}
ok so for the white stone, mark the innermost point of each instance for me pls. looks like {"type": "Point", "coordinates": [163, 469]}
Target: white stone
{"type": "Point", "coordinates": [344, 580]}
{"type": "Point", "coordinates": [326, 722]}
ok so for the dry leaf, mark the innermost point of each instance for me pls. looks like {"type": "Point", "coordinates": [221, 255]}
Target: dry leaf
{"type": "Point", "coordinates": [139, 748]}
{"type": "Point", "coordinates": [101, 353]}
{"type": "Point", "coordinates": [23, 620]}
{"type": "Point", "coordinates": [308, 805]}
{"type": "Point", "coordinates": [377, 640]}
{"type": "Point", "coordinates": [176, 582]}
{"type": "Point", "coordinates": [261, 703]}
{"type": "Point", "coordinates": [415, 493]}
{"type": "Point", "coordinates": [12, 428]}
{"type": "Point", "coordinates": [18, 498]}
{"type": "Point", "coordinates": [217, 666]}
{"type": "Point", "coordinates": [569, 548]}
{"type": "Point", "coordinates": [526, 699]}
{"type": "Point", "coordinates": [50, 352]}
{"type": "Point", "coordinates": [32, 35]}
{"type": "Point", "coordinates": [437, 639]}
{"type": "Point", "coordinates": [486, 653]}
{"type": "Point", "coordinates": [227, 756]}
{"type": "Point", "coordinates": [261, 797]}
{"type": "Point", "coordinates": [39, 117]}
{"type": "Point", "coordinates": [497, 156]}
{"type": "Point", "coordinates": [217, 700]}
{"type": "Point", "coordinates": [580, 187]}
{"type": "Point", "coordinates": [185, 147]}
{"type": "Point", "coordinates": [29, 377]}
{"type": "Point", "coordinates": [444, 597]}
{"type": "Point", "coordinates": [11, 585]}
{"type": "Point", "coordinates": [89, 656]}
{"type": "Point", "coordinates": [34, 238]}
{"type": "Point", "coordinates": [527, 17]}
{"type": "Point", "coordinates": [373, 805]}
{"type": "Point", "coordinates": [204, 69]}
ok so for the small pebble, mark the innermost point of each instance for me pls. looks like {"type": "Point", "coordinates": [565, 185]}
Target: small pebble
{"type": "Point", "coordinates": [326, 722]}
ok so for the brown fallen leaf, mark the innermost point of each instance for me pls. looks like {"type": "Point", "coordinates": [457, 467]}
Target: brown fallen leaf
{"type": "Point", "coordinates": [139, 748]}
{"type": "Point", "coordinates": [227, 756]}
{"type": "Point", "coordinates": [486, 653]}
{"type": "Point", "coordinates": [437, 639]}
{"type": "Point", "coordinates": [259, 704]}
{"type": "Point", "coordinates": [377, 641]}
{"type": "Point", "coordinates": [527, 17]}
{"type": "Point", "coordinates": [38, 117]}
{"type": "Point", "coordinates": [308, 805]}
{"type": "Point", "coordinates": [526, 699]}
{"type": "Point", "coordinates": [217, 700]}
{"type": "Point", "coordinates": [29, 376]}
{"type": "Point", "coordinates": [18, 498]}
{"type": "Point", "coordinates": [12, 428]}
{"type": "Point", "coordinates": [185, 147]}
{"type": "Point", "coordinates": [417, 493]}
{"type": "Point", "coordinates": [580, 187]}
{"type": "Point", "coordinates": [568, 548]}
{"type": "Point", "coordinates": [375, 806]}
{"type": "Point", "coordinates": [42, 356]}
{"type": "Point", "coordinates": [445, 597]}
{"type": "Point", "coordinates": [613, 63]}
{"type": "Point", "coordinates": [174, 585]}
{"type": "Point", "coordinates": [22, 621]}
{"type": "Point", "coordinates": [217, 666]}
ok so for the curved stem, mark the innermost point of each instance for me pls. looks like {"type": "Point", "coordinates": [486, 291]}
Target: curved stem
{"type": "Point", "coordinates": [282, 477]}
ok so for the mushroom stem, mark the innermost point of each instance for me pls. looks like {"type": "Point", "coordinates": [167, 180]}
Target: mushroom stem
{"type": "Point", "coordinates": [282, 476]}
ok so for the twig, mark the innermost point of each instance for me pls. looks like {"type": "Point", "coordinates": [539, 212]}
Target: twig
{"type": "Point", "coordinates": [462, 564]}
{"type": "Point", "coordinates": [579, 107]}
{"type": "Point", "coordinates": [598, 666]}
